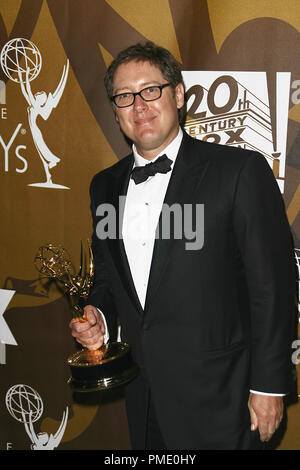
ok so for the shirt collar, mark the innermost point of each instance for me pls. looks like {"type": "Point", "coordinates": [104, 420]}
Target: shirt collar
{"type": "Point", "coordinates": [171, 151]}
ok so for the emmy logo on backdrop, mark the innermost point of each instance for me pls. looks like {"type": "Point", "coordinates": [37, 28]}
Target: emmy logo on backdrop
{"type": "Point", "coordinates": [25, 405]}
{"type": "Point", "coordinates": [21, 62]}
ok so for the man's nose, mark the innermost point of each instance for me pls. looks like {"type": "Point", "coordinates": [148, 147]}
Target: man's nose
{"type": "Point", "coordinates": [139, 104]}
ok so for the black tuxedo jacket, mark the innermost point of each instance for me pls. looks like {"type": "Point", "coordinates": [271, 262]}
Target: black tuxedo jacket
{"type": "Point", "coordinates": [218, 321]}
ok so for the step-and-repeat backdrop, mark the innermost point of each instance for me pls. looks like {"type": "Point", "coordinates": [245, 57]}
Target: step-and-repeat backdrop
{"type": "Point", "coordinates": [241, 66]}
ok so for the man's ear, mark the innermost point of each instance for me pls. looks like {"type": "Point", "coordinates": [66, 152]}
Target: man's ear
{"type": "Point", "coordinates": [179, 95]}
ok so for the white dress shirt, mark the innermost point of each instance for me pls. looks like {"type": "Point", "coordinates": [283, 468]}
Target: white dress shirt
{"type": "Point", "coordinates": [141, 214]}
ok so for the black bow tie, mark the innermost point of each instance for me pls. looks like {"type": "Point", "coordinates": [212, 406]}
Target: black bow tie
{"type": "Point", "coordinates": [141, 173]}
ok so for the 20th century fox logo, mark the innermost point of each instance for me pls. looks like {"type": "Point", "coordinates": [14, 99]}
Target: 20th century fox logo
{"type": "Point", "coordinates": [234, 108]}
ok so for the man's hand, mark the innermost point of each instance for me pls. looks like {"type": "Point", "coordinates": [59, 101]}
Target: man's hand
{"type": "Point", "coordinates": [266, 414]}
{"type": "Point", "coordinates": [90, 331]}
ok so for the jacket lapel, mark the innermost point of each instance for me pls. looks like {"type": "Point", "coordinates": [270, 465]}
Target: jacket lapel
{"type": "Point", "coordinates": [189, 170]}
{"type": "Point", "coordinates": [118, 190]}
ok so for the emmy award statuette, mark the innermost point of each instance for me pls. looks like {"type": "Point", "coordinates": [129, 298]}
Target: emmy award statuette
{"type": "Point", "coordinates": [109, 366]}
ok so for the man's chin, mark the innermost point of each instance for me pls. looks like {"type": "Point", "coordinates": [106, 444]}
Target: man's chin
{"type": "Point", "coordinates": [147, 143]}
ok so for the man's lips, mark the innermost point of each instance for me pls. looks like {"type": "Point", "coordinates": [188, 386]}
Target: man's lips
{"type": "Point", "coordinates": [144, 121]}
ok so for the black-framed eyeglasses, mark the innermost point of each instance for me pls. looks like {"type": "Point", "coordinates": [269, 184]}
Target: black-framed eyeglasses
{"type": "Point", "coordinates": [151, 93]}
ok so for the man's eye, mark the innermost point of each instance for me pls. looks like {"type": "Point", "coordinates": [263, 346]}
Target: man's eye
{"type": "Point", "coordinates": [150, 90]}
{"type": "Point", "coordinates": [124, 96]}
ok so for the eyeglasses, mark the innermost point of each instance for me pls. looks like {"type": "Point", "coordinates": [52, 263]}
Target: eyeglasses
{"type": "Point", "coordinates": [150, 93]}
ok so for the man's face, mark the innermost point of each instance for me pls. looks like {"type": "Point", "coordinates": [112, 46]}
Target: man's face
{"type": "Point", "coordinates": [151, 125]}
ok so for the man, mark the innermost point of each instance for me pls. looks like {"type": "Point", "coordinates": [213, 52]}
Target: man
{"type": "Point", "coordinates": [210, 324]}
